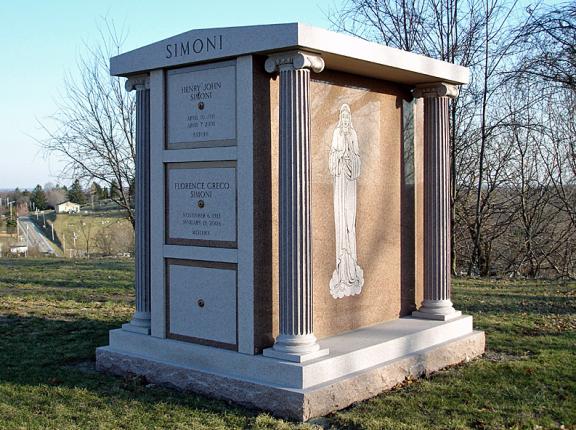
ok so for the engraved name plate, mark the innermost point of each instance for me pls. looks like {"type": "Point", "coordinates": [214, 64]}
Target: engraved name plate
{"type": "Point", "coordinates": [202, 203]}
{"type": "Point", "coordinates": [201, 107]}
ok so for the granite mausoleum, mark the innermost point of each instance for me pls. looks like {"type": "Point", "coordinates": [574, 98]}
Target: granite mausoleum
{"type": "Point", "coordinates": [293, 218]}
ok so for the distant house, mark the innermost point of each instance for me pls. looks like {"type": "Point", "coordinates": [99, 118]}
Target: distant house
{"type": "Point", "coordinates": [19, 249]}
{"type": "Point", "coordinates": [67, 207]}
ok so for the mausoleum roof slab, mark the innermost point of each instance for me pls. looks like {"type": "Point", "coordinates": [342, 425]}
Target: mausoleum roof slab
{"type": "Point", "coordinates": [340, 52]}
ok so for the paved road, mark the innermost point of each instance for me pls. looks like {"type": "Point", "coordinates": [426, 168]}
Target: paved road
{"type": "Point", "coordinates": [33, 235]}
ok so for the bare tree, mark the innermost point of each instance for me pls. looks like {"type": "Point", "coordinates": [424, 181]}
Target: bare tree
{"type": "Point", "coordinates": [86, 228]}
{"type": "Point", "coordinates": [497, 45]}
{"type": "Point", "coordinates": [557, 146]}
{"type": "Point", "coordinates": [547, 69]}
{"type": "Point", "coordinates": [549, 37]}
{"type": "Point", "coordinates": [489, 209]}
{"type": "Point", "coordinates": [104, 241]}
{"type": "Point", "coordinates": [471, 33]}
{"type": "Point", "coordinates": [94, 133]}
{"type": "Point", "coordinates": [443, 29]}
{"type": "Point", "coordinates": [113, 238]}
{"type": "Point", "coordinates": [513, 137]}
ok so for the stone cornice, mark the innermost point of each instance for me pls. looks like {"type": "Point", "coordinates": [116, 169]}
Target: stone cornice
{"type": "Point", "coordinates": [436, 89]}
{"type": "Point", "coordinates": [138, 83]}
{"type": "Point", "coordinates": [294, 60]}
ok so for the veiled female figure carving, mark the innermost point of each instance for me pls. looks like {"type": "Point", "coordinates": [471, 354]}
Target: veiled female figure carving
{"type": "Point", "coordinates": [344, 164]}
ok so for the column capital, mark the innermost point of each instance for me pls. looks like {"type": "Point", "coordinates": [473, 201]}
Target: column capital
{"type": "Point", "coordinates": [137, 83]}
{"type": "Point", "coordinates": [436, 89]}
{"type": "Point", "coordinates": [294, 60]}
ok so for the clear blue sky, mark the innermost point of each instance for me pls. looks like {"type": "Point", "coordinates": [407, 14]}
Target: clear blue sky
{"type": "Point", "coordinates": [41, 40]}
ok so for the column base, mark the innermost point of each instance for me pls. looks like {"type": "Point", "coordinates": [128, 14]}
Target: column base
{"type": "Point", "coordinates": [436, 317]}
{"type": "Point", "coordinates": [296, 348]}
{"type": "Point", "coordinates": [439, 310]}
{"type": "Point", "coordinates": [296, 358]}
{"type": "Point", "coordinates": [140, 323]}
{"type": "Point", "coordinates": [134, 328]}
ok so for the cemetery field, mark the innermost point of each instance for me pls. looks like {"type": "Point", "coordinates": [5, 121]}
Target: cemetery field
{"type": "Point", "coordinates": [100, 233]}
{"type": "Point", "coordinates": [55, 312]}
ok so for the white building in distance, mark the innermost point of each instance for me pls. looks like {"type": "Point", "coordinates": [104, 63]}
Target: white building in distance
{"type": "Point", "coordinates": [67, 207]}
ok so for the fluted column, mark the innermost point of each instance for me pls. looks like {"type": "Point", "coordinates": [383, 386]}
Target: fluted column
{"type": "Point", "coordinates": [140, 322]}
{"type": "Point", "coordinates": [296, 341]}
{"type": "Point", "coordinates": [437, 282]}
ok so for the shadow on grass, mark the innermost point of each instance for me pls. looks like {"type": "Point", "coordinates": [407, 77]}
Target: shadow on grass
{"type": "Point", "coordinates": [42, 352]}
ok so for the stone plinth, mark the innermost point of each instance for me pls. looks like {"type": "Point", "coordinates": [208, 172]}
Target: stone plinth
{"type": "Point", "coordinates": [363, 364]}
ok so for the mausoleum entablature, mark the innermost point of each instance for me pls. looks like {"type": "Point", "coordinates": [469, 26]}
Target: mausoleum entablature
{"type": "Point", "coordinates": [340, 52]}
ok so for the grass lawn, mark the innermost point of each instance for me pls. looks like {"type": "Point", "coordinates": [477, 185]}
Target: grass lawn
{"type": "Point", "coordinates": [54, 313]}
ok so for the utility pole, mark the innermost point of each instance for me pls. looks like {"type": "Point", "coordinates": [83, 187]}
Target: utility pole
{"type": "Point", "coordinates": [52, 225]}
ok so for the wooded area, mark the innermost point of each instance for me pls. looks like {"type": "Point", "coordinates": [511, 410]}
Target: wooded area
{"type": "Point", "coordinates": [513, 141]}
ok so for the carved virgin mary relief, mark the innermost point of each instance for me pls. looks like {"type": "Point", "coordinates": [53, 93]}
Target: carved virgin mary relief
{"type": "Point", "coordinates": [344, 164]}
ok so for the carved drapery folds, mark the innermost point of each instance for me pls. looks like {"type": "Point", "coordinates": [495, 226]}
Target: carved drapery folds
{"type": "Point", "coordinates": [344, 165]}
